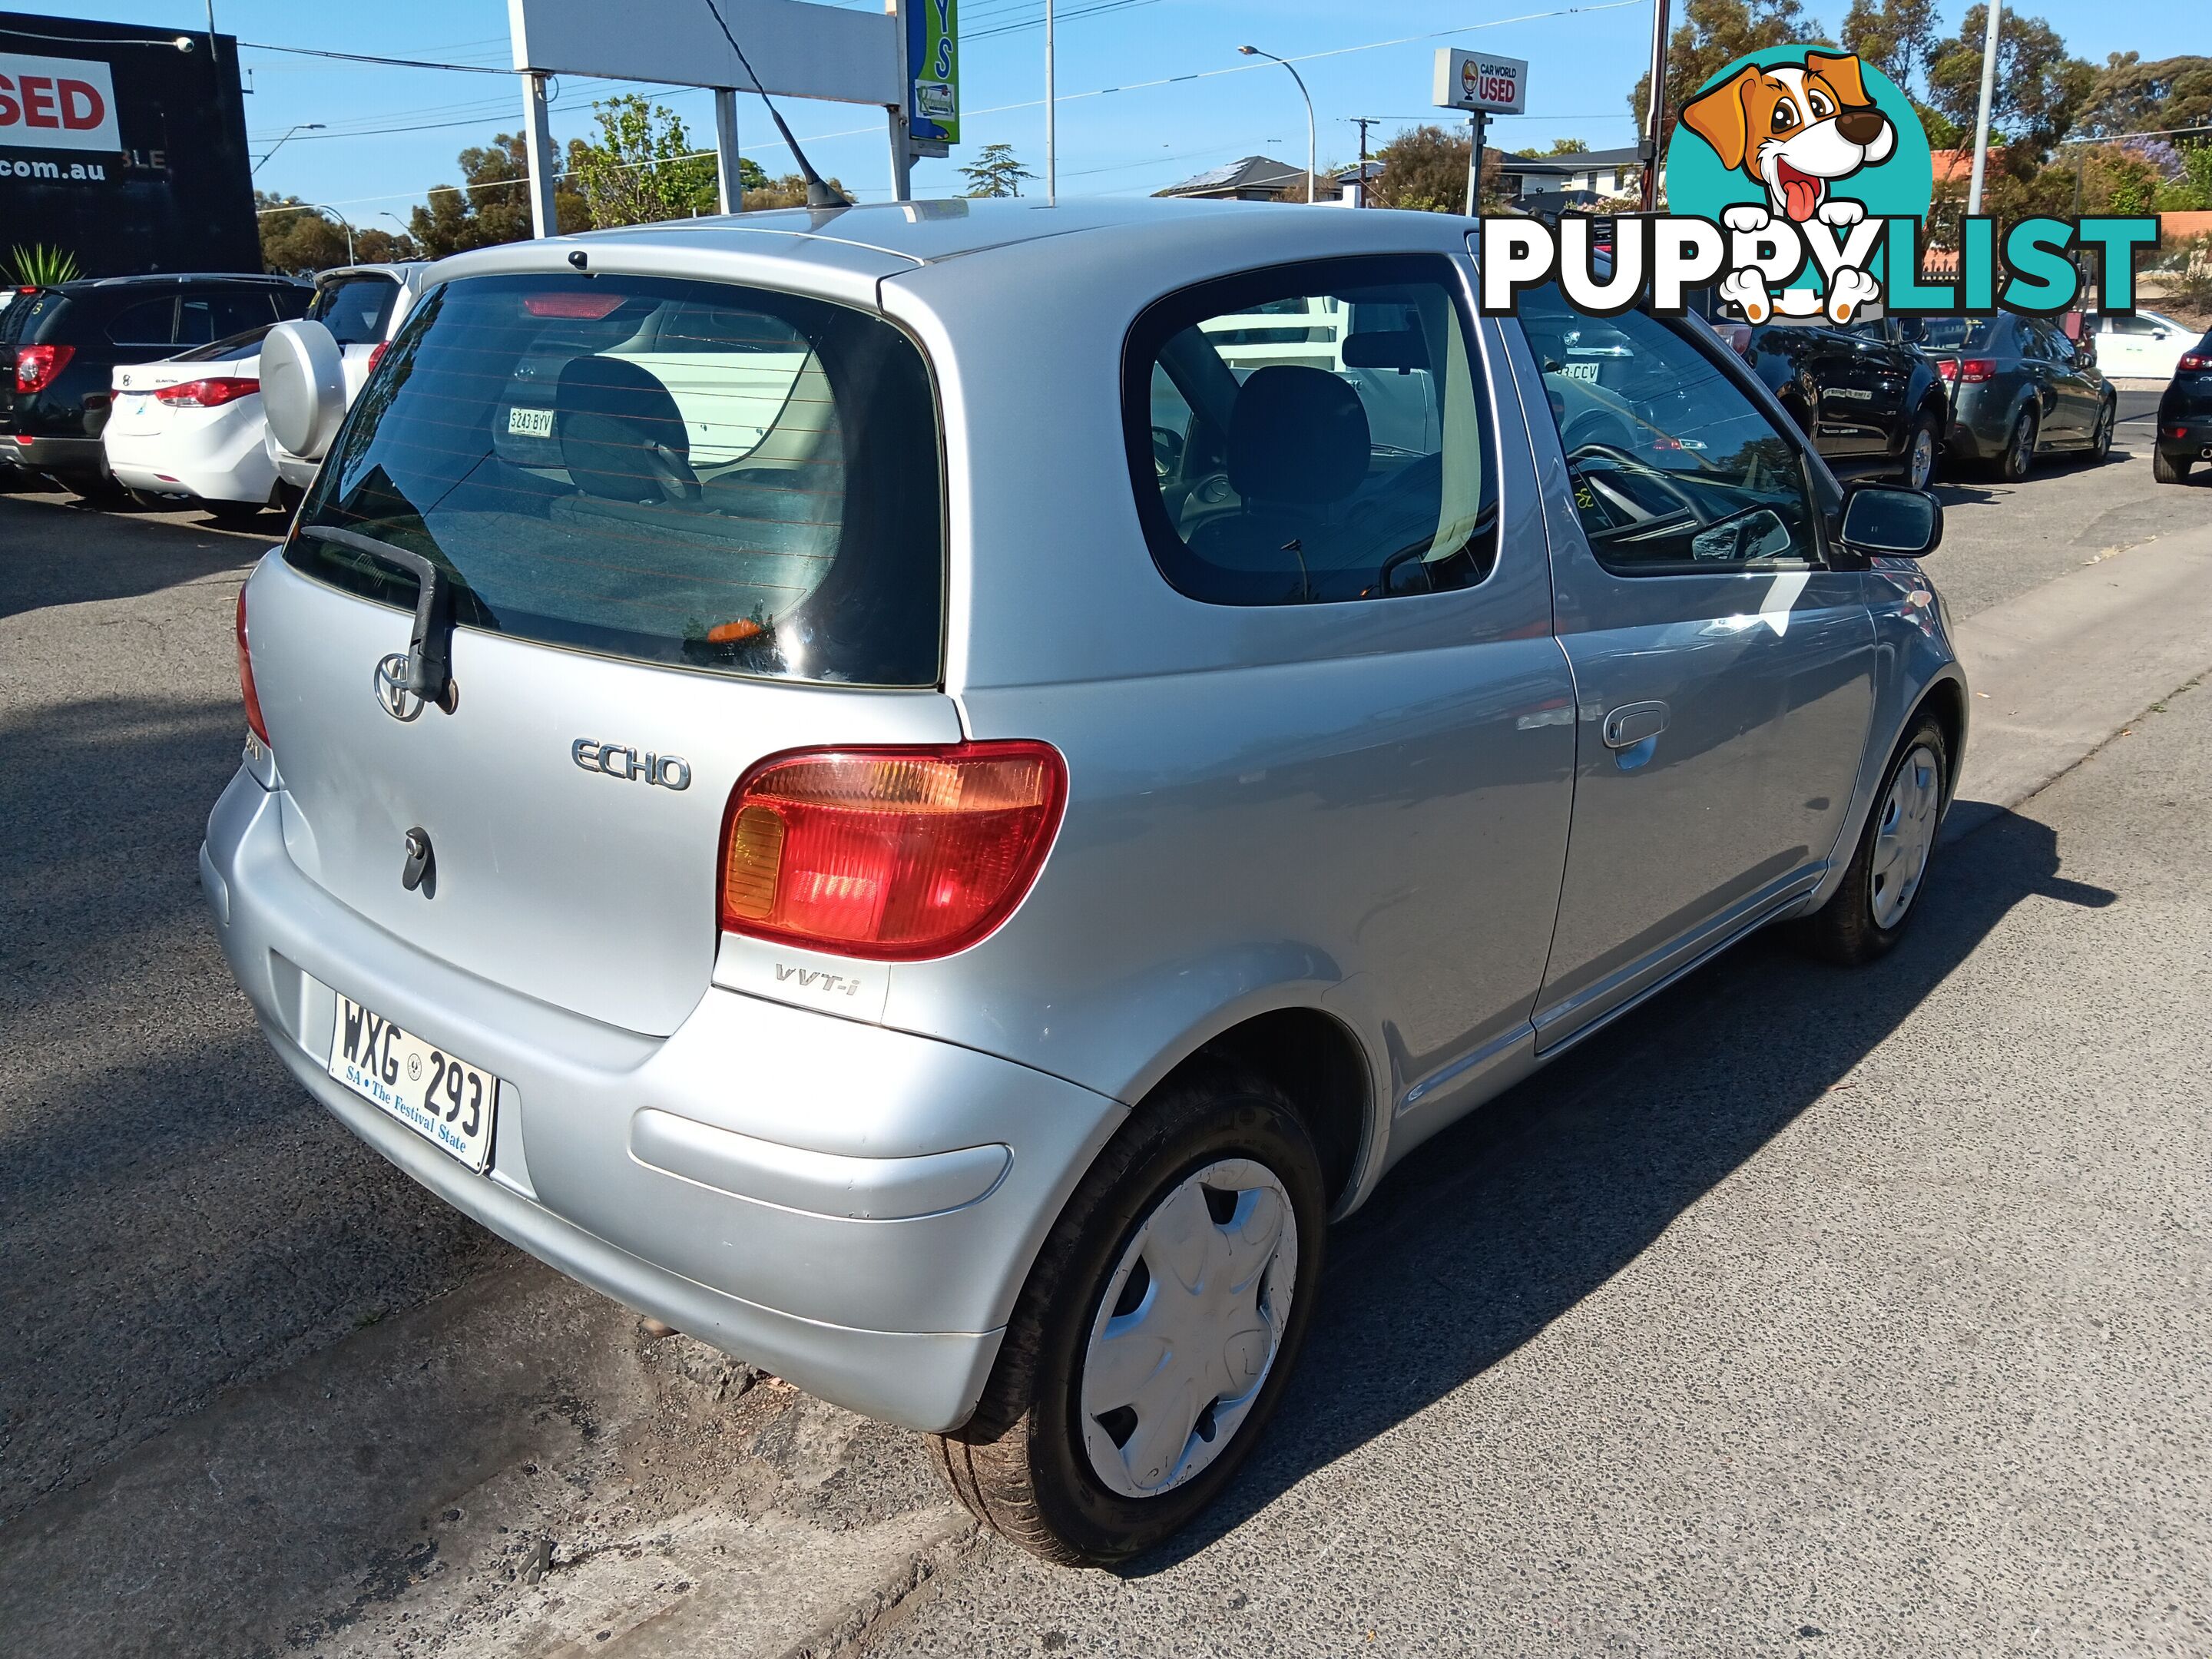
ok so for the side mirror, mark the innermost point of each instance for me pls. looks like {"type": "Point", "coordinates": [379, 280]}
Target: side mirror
{"type": "Point", "coordinates": [1883, 519]}
{"type": "Point", "coordinates": [303, 387]}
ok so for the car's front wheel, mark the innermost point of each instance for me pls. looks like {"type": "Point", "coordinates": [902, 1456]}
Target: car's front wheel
{"type": "Point", "coordinates": [2018, 459]}
{"type": "Point", "coordinates": [1157, 1330]}
{"type": "Point", "coordinates": [1920, 450]}
{"type": "Point", "coordinates": [1868, 913]}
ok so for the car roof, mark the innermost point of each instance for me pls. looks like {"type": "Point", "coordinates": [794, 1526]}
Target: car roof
{"type": "Point", "coordinates": [85, 285]}
{"type": "Point", "coordinates": [875, 239]}
{"type": "Point", "coordinates": [396, 270]}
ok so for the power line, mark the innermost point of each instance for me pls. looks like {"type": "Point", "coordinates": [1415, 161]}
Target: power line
{"type": "Point", "coordinates": [368, 58]}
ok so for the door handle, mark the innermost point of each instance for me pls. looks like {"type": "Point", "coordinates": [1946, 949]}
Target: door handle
{"type": "Point", "coordinates": [1632, 722]}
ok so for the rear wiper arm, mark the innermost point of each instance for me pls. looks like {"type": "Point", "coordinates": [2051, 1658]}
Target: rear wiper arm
{"type": "Point", "coordinates": [430, 650]}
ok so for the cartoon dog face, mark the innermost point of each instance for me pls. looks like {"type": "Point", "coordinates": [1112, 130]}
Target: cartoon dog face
{"type": "Point", "coordinates": [1794, 127]}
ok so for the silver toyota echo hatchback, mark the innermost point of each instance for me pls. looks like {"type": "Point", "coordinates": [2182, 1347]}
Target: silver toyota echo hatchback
{"type": "Point", "coordinates": [927, 792]}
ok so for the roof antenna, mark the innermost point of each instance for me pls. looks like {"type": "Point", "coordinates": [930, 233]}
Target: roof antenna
{"type": "Point", "coordinates": [819, 192]}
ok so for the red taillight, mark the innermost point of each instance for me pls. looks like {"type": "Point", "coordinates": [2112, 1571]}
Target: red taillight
{"type": "Point", "coordinates": [2196, 362]}
{"type": "Point", "coordinates": [36, 366]}
{"type": "Point", "coordinates": [582, 307]}
{"type": "Point", "coordinates": [376, 354]}
{"type": "Point", "coordinates": [893, 854]}
{"type": "Point", "coordinates": [252, 698]}
{"type": "Point", "coordinates": [206, 394]}
{"type": "Point", "coordinates": [1974, 370]}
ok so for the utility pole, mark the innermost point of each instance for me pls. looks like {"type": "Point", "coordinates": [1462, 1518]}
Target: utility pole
{"type": "Point", "coordinates": [1359, 189]}
{"type": "Point", "coordinates": [1655, 120]}
{"type": "Point", "coordinates": [1051, 114]}
{"type": "Point", "coordinates": [1476, 122]}
{"type": "Point", "coordinates": [1982, 114]}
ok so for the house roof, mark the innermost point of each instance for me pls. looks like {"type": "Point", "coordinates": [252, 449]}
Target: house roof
{"type": "Point", "coordinates": [1581, 162]}
{"type": "Point", "coordinates": [1253, 172]}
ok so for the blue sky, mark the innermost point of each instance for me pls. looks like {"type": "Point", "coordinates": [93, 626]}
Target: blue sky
{"type": "Point", "coordinates": [1135, 141]}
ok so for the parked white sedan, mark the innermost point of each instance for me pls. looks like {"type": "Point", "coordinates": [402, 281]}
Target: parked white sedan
{"type": "Point", "coordinates": [2146, 346]}
{"type": "Point", "coordinates": [189, 428]}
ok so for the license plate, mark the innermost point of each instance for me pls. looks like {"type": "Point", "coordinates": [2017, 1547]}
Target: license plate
{"type": "Point", "coordinates": [530, 422]}
{"type": "Point", "coordinates": [444, 1100]}
{"type": "Point", "coordinates": [1579, 371]}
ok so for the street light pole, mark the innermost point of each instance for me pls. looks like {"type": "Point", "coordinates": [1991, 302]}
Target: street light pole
{"type": "Point", "coordinates": [1981, 111]}
{"type": "Point", "coordinates": [299, 126]}
{"type": "Point", "coordinates": [1656, 106]}
{"type": "Point", "coordinates": [1255, 51]}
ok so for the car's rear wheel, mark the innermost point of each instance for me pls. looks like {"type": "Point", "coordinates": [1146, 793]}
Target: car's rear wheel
{"type": "Point", "coordinates": [1920, 449]}
{"type": "Point", "coordinates": [2170, 469]}
{"type": "Point", "coordinates": [1157, 1330]}
{"type": "Point", "coordinates": [2018, 459]}
{"type": "Point", "coordinates": [2100, 440]}
{"type": "Point", "coordinates": [1868, 912]}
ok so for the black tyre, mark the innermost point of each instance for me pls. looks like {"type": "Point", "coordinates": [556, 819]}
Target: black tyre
{"type": "Point", "coordinates": [102, 491]}
{"type": "Point", "coordinates": [236, 515]}
{"type": "Point", "coordinates": [1197, 1234]}
{"type": "Point", "coordinates": [1922, 445]}
{"type": "Point", "coordinates": [2017, 459]}
{"type": "Point", "coordinates": [1870, 911]}
{"type": "Point", "coordinates": [2101, 437]}
{"type": "Point", "coordinates": [2170, 469]}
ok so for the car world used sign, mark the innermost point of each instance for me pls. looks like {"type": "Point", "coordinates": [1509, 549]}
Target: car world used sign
{"type": "Point", "coordinates": [57, 103]}
{"type": "Point", "coordinates": [1481, 81]}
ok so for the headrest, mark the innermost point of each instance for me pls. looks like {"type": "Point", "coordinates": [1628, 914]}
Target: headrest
{"type": "Point", "coordinates": [1296, 435]}
{"type": "Point", "coordinates": [612, 414]}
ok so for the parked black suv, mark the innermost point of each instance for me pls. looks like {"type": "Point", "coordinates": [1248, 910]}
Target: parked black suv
{"type": "Point", "coordinates": [2184, 417]}
{"type": "Point", "coordinates": [1869, 400]}
{"type": "Point", "coordinates": [61, 345]}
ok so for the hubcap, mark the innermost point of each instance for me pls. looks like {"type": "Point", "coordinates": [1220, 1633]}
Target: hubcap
{"type": "Point", "coordinates": [2023, 446]}
{"type": "Point", "coordinates": [1905, 836]}
{"type": "Point", "coordinates": [1188, 1328]}
{"type": "Point", "coordinates": [1924, 456]}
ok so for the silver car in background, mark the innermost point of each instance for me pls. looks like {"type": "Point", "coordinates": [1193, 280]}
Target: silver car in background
{"type": "Point", "coordinates": [928, 792]}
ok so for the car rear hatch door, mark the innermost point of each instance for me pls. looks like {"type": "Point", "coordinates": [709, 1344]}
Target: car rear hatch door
{"type": "Point", "coordinates": [655, 585]}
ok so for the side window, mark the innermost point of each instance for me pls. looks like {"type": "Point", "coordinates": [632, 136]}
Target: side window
{"type": "Point", "coordinates": [150, 322]}
{"type": "Point", "coordinates": [1313, 433]}
{"type": "Point", "coordinates": [1675, 470]}
{"type": "Point", "coordinates": [235, 313]}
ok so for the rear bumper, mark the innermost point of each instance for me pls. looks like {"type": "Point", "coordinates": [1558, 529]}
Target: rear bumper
{"type": "Point", "coordinates": [213, 465]}
{"type": "Point", "coordinates": [65, 458]}
{"type": "Point", "coordinates": [851, 1208]}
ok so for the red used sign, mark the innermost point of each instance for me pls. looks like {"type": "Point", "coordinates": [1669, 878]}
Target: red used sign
{"type": "Point", "coordinates": [57, 103]}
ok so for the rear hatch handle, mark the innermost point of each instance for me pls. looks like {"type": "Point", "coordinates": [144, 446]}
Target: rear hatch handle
{"type": "Point", "coordinates": [430, 649]}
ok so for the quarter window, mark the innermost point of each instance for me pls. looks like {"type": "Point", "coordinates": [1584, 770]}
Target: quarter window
{"type": "Point", "coordinates": [1313, 433]}
{"type": "Point", "coordinates": [150, 322]}
{"type": "Point", "coordinates": [1675, 470]}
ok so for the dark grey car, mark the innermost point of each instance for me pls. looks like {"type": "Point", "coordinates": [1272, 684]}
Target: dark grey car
{"type": "Point", "coordinates": [2018, 387]}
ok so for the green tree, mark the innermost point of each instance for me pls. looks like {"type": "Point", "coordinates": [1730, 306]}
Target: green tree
{"type": "Point", "coordinates": [643, 168]}
{"type": "Point", "coordinates": [995, 172]}
{"type": "Point", "coordinates": [1713, 34]}
{"type": "Point", "coordinates": [2130, 95]}
{"type": "Point", "coordinates": [788, 192]}
{"type": "Point", "coordinates": [1562, 147]}
{"type": "Point", "coordinates": [492, 203]}
{"type": "Point", "coordinates": [296, 240]}
{"type": "Point", "coordinates": [1425, 168]}
{"type": "Point", "coordinates": [2040, 87]}
{"type": "Point", "coordinates": [1898, 37]}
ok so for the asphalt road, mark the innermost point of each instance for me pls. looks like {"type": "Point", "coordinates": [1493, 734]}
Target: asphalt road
{"type": "Point", "coordinates": [1670, 1339]}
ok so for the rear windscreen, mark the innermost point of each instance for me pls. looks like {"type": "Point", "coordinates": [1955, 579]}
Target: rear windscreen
{"type": "Point", "coordinates": [690, 473]}
{"type": "Point", "coordinates": [355, 309]}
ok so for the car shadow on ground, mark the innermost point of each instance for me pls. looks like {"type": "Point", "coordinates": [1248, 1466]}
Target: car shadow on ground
{"type": "Point", "coordinates": [108, 555]}
{"type": "Point", "coordinates": [1503, 1225]}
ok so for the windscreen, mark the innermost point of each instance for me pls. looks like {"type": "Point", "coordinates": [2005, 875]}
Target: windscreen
{"type": "Point", "coordinates": [691, 473]}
